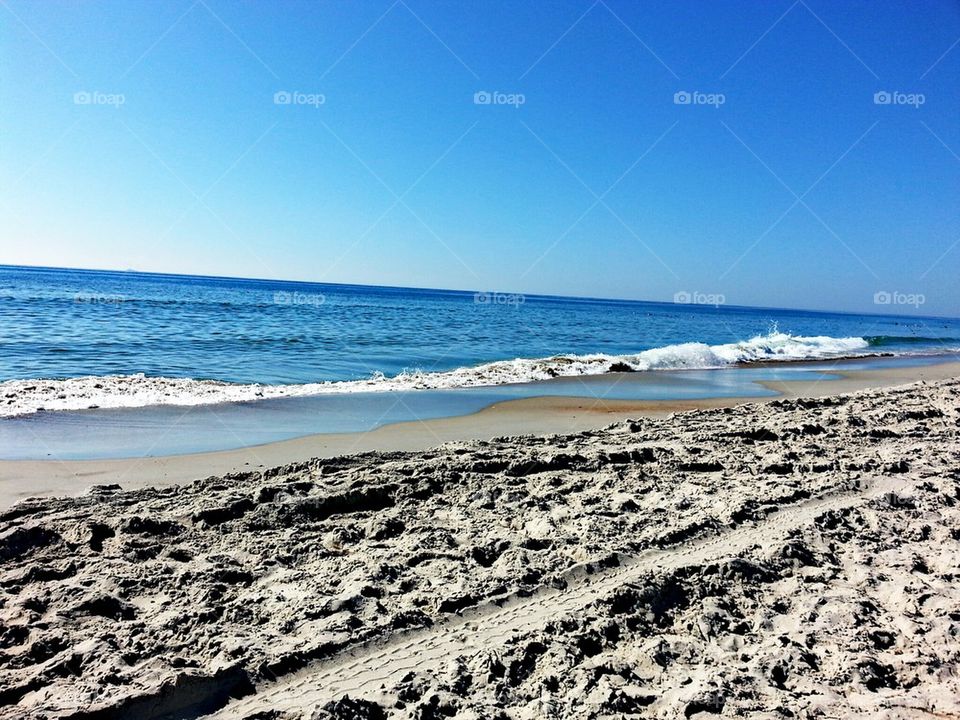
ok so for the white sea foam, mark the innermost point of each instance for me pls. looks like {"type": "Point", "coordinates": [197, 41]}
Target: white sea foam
{"type": "Point", "coordinates": [23, 397]}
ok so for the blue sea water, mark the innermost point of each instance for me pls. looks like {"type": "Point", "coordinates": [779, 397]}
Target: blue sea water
{"type": "Point", "coordinates": [57, 323]}
{"type": "Point", "coordinates": [121, 354]}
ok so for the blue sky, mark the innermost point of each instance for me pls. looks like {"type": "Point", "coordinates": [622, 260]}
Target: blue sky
{"type": "Point", "coordinates": [782, 183]}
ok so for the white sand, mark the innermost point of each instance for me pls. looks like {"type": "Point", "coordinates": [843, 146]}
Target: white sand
{"type": "Point", "coordinates": [796, 558]}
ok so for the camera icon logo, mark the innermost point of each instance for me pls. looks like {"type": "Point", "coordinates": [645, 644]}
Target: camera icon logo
{"type": "Point", "coordinates": [281, 97]}
{"type": "Point", "coordinates": [482, 97]}
{"type": "Point", "coordinates": [882, 97]}
{"type": "Point", "coordinates": [682, 98]}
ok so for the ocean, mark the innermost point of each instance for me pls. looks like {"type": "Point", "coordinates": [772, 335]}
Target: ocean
{"type": "Point", "coordinates": [129, 339]}
{"type": "Point", "coordinates": [125, 364]}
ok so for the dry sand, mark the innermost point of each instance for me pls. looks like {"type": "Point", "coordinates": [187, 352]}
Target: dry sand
{"type": "Point", "coordinates": [794, 558]}
{"type": "Point", "coordinates": [20, 479]}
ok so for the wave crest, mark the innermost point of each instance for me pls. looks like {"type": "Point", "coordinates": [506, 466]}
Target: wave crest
{"type": "Point", "coordinates": [24, 397]}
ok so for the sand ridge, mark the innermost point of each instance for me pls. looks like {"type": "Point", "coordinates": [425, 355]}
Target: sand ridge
{"type": "Point", "coordinates": [366, 670]}
{"type": "Point", "coordinates": [796, 558]}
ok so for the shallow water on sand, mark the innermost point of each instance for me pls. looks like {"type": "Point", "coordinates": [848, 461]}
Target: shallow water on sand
{"type": "Point", "coordinates": [171, 430]}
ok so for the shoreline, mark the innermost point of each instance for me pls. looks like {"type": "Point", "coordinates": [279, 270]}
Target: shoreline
{"type": "Point", "coordinates": [545, 415]}
{"type": "Point", "coordinates": [25, 398]}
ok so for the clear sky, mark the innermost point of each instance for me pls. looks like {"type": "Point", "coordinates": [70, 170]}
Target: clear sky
{"type": "Point", "coordinates": [148, 135]}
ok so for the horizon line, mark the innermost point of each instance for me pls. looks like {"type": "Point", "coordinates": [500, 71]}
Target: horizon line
{"type": "Point", "coordinates": [589, 298]}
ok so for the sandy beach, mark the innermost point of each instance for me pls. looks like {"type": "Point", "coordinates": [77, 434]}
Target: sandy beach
{"type": "Point", "coordinates": [442, 360]}
{"type": "Point", "coordinates": [788, 558]}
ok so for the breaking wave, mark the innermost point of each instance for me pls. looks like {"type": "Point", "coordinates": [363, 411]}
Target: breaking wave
{"type": "Point", "coordinates": [23, 397]}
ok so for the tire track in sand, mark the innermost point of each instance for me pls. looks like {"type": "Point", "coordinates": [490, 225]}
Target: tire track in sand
{"type": "Point", "coordinates": [368, 668]}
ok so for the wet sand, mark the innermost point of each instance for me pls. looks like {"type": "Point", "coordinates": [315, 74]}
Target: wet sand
{"type": "Point", "coordinates": [21, 479]}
